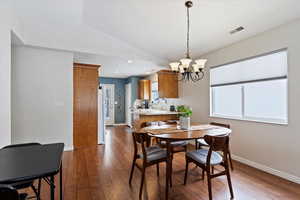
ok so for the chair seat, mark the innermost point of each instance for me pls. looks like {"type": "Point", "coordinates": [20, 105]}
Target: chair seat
{"type": "Point", "coordinates": [202, 142]}
{"type": "Point", "coordinates": [154, 153]}
{"type": "Point", "coordinates": [153, 149]}
{"type": "Point", "coordinates": [175, 143]}
{"type": "Point", "coordinates": [201, 155]}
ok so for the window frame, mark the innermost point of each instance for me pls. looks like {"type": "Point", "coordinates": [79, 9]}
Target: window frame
{"type": "Point", "coordinates": [242, 84]}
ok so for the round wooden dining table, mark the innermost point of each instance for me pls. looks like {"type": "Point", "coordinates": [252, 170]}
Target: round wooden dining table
{"type": "Point", "coordinates": [171, 133]}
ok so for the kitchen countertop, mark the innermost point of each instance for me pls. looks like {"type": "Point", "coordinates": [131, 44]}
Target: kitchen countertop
{"type": "Point", "coordinates": [154, 112]}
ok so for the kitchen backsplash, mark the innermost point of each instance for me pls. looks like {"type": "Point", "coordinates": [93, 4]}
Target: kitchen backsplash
{"type": "Point", "coordinates": [161, 104]}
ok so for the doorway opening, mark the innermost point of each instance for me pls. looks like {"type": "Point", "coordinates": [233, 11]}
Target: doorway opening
{"type": "Point", "coordinates": [108, 91]}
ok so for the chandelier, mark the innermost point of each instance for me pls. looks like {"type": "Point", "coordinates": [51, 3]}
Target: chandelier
{"type": "Point", "coordinates": [186, 68]}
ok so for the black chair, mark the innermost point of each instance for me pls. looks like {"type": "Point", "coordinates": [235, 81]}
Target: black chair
{"type": "Point", "coordinates": [150, 155]}
{"type": "Point", "coordinates": [7, 192]}
{"type": "Point", "coordinates": [207, 158]}
{"type": "Point", "coordinates": [26, 184]}
{"type": "Point", "coordinates": [201, 143]}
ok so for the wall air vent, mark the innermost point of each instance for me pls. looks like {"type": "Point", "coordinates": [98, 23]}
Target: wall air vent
{"type": "Point", "coordinates": [237, 30]}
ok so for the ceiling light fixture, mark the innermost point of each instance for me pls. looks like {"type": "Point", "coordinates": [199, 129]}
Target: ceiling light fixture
{"type": "Point", "coordinates": [187, 70]}
{"type": "Point", "coordinates": [129, 61]}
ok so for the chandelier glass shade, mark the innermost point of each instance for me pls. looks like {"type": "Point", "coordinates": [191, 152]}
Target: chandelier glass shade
{"type": "Point", "coordinates": [189, 70]}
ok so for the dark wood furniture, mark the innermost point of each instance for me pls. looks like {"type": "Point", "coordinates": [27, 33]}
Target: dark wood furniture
{"type": "Point", "coordinates": [175, 147]}
{"type": "Point", "coordinates": [85, 105]}
{"type": "Point", "coordinates": [144, 90]}
{"type": "Point", "coordinates": [150, 155]}
{"type": "Point", "coordinates": [206, 158]}
{"type": "Point", "coordinates": [167, 84]}
{"type": "Point", "coordinates": [30, 183]}
{"type": "Point", "coordinates": [32, 162]}
{"type": "Point", "coordinates": [201, 142]}
{"type": "Point", "coordinates": [170, 133]}
{"type": "Point", "coordinates": [7, 192]}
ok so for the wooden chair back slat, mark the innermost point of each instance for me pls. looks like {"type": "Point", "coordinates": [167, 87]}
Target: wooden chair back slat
{"type": "Point", "coordinates": [219, 143]}
{"type": "Point", "coordinates": [141, 141]}
{"type": "Point", "coordinates": [220, 124]}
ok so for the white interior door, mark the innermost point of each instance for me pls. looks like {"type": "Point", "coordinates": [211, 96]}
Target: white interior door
{"type": "Point", "coordinates": [128, 105]}
{"type": "Point", "coordinates": [109, 105]}
{"type": "Point", "coordinates": [101, 126]}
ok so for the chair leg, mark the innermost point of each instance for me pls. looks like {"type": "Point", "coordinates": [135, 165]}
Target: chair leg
{"type": "Point", "coordinates": [142, 182]}
{"type": "Point", "coordinates": [229, 182]}
{"type": "Point", "coordinates": [196, 144]}
{"type": "Point", "coordinates": [39, 189]}
{"type": "Point", "coordinates": [157, 169]}
{"type": "Point", "coordinates": [230, 160]}
{"type": "Point", "coordinates": [171, 172]}
{"type": "Point", "coordinates": [203, 173]}
{"type": "Point", "coordinates": [131, 171]}
{"type": "Point", "coordinates": [186, 171]}
{"type": "Point", "coordinates": [209, 185]}
{"type": "Point", "coordinates": [35, 191]}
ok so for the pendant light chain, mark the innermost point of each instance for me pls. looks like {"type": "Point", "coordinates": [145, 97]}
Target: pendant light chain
{"type": "Point", "coordinates": [188, 33]}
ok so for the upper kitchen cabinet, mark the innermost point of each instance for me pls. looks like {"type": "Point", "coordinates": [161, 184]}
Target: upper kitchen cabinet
{"type": "Point", "coordinates": [167, 84]}
{"type": "Point", "coordinates": [145, 89]}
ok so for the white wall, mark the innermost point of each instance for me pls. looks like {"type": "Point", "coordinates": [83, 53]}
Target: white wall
{"type": "Point", "coordinates": [273, 148]}
{"type": "Point", "coordinates": [42, 96]}
{"type": "Point", "coordinates": [5, 65]}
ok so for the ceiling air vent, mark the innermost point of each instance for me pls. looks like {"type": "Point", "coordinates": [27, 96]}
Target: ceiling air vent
{"type": "Point", "coordinates": [237, 30]}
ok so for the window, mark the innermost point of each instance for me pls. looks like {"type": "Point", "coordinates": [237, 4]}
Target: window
{"type": "Point", "coordinates": [154, 89]}
{"type": "Point", "coordinates": [253, 89]}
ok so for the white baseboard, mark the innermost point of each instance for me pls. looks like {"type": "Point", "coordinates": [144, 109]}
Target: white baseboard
{"type": "Point", "coordinates": [68, 148]}
{"type": "Point", "coordinates": [267, 169]}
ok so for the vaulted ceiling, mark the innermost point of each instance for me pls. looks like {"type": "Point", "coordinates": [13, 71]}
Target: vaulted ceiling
{"type": "Point", "coordinates": [153, 31]}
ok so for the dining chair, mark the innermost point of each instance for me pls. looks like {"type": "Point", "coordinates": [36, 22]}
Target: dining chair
{"type": "Point", "coordinates": [201, 142]}
{"type": "Point", "coordinates": [205, 158]}
{"type": "Point", "coordinates": [26, 184]}
{"type": "Point", "coordinates": [150, 155]}
{"type": "Point", "coordinates": [176, 146]}
{"type": "Point", "coordinates": [8, 192]}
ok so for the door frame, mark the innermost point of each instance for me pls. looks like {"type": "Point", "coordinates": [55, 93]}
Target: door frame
{"type": "Point", "coordinates": [101, 126]}
{"type": "Point", "coordinates": [104, 85]}
{"type": "Point", "coordinates": [128, 104]}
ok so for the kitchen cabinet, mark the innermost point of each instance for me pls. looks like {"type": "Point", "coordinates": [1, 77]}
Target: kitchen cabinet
{"type": "Point", "coordinates": [145, 89]}
{"type": "Point", "coordinates": [167, 84]}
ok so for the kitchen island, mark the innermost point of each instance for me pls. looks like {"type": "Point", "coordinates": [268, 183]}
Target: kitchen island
{"type": "Point", "coordinates": [151, 115]}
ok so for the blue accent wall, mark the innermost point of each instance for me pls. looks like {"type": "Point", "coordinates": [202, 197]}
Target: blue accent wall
{"type": "Point", "coordinates": [119, 96]}
{"type": "Point", "coordinates": [134, 87]}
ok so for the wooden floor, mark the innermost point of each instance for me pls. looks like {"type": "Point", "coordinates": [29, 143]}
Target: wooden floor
{"type": "Point", "coordinates": [101, 173]}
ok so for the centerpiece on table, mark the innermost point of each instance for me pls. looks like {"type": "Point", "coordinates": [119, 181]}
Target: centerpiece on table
{"type": "Point", "coordinates": [185, 113]}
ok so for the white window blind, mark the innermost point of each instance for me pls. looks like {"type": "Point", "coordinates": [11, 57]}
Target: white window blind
{"type": "Point", "coordinates": [266, 100]}
{"type": "Point", "coordinates": [227, 101]}
{"type": "Point", "coordinates": [263, 67]}
{"type": "Point", "coordinates": [251, 89]}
